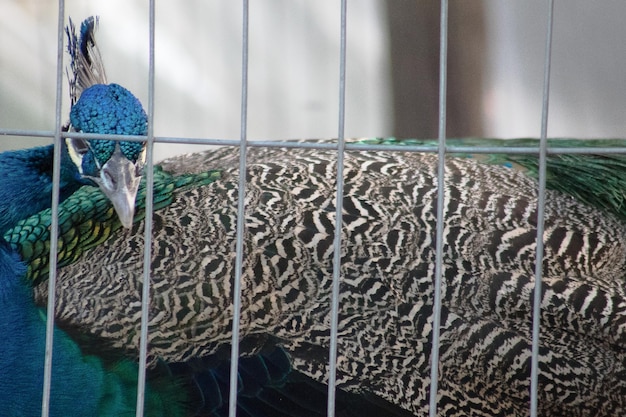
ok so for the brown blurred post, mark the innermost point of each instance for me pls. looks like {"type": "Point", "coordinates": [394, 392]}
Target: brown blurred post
{"type": "Point", "coordinates": [414, 34]}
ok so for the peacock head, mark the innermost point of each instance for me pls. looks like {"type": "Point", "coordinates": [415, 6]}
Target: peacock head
{"type": "Point", "coordinates": [114, 166]}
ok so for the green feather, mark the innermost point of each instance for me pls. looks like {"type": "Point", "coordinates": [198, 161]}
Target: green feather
{"type": "Point", "coordinates": [162, 398]}
{"type": "Point", "coordinates": [86, 219]}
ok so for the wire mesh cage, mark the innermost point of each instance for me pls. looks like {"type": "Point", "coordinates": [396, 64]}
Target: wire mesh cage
{"type": "Point", "coordinates": [339, 148]}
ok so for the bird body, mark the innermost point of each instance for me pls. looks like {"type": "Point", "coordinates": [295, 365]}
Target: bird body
{"type": "Point", "coordinates": [387, 274]}
{"type": "Point", "coordinates": [268, 385]}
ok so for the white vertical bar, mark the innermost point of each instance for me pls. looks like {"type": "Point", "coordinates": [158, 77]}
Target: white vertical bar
{"type": "Point", "coordinates": [234, 353]}
{"type": "Point", "coordinates": [147, 252]}
{"type": "Point", "coordinates": [541, 203]}
{"type": "Point", "coordinates": [441, 150]}
{"type": "Point", "coordinates": [334, 309]}
{"type": "Point", "coordinates": [54, 225]}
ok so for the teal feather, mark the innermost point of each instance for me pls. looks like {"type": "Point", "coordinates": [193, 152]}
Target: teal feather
{"type": "Point", "coordinates": [27, 183]}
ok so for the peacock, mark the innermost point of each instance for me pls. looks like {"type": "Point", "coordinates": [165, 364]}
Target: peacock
{"type": "Point", "coordinates": [387, 271]}
{"type": "Point", "coordinates": [89, 378]}
{"type": "Point", "coordinates": [97, 107]}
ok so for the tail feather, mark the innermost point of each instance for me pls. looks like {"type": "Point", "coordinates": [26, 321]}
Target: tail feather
{"type": "Point", "coordinates": [269, 387]}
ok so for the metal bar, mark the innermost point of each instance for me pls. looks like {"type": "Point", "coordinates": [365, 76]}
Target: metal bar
{"type": "Point", "coordinates": [334, 307]}
{"type": "Point", "coordinates": [441, 150]}
{"type": "Point", "coordinates": [23, 132]}
{"type": "Point", "coordinates": [147, 250]}
{"type": "Point", "coordinates": [54, 225]}
{"type": "Point", "coordinates": [541, 203]}
{"type": "Point", "coordinates": [234, 353]}
{"type": "Point", "coordinates": [268, 143]}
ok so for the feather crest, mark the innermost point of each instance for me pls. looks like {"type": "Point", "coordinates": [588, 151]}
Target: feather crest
{"type": "Point", "coordinates": [86, 67]}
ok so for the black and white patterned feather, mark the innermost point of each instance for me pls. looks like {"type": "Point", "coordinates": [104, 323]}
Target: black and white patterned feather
{"type": "Point", "coordinates": [387, 275]}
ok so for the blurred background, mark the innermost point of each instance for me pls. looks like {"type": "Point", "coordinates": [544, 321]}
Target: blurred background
{"type": "Point", "coordinates": [495, 67]}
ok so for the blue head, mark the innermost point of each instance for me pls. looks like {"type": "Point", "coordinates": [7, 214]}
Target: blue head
{"type": "Point", "coordinates": [114, 166]}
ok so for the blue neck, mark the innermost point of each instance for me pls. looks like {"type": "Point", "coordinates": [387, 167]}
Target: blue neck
{"type": "Point", "coordinates": [22, 351]}
{"type": "Point", "coordinates": [26, 183]}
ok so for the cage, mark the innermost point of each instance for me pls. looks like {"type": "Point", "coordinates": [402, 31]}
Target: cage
{"type": "Point", "coordinates": [240, 106]}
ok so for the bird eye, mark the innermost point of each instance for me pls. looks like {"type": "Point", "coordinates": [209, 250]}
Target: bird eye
{"type": "Point", "coordinates": [80, 146]}
{"type": "Point", "coordinates": [108, 178]}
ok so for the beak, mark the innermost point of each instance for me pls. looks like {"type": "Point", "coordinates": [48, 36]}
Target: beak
{"type": "Point", "coordinates": [119, 181]}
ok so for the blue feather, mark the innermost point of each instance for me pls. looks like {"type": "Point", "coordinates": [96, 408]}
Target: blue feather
{"type": "Point", "coordinates": [27, 183]}
{"type": "Point", "coordinates": [110, 109]}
